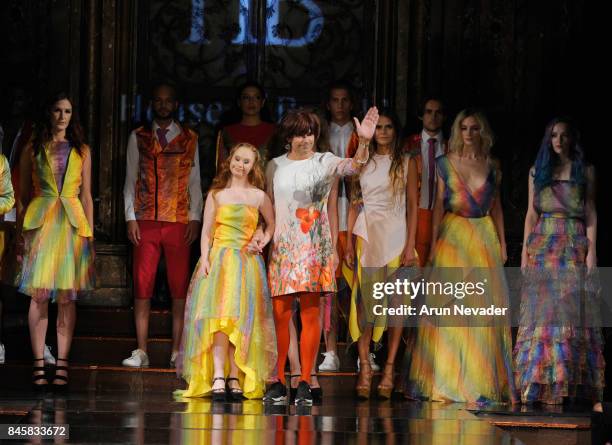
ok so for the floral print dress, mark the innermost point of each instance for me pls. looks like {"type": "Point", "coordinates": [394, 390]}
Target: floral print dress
{"type": "Point", "coordinates": [301, 257]}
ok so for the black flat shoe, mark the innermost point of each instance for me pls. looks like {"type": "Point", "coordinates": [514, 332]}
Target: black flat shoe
{"type": "Point", "coordinates": [219, 395]}
{"type": "Point", "coordinates": [39, 387]}
{"type": "Point", "coordinates": [234, 394]}
{"type": "Point", "coordinates": [60, 387]}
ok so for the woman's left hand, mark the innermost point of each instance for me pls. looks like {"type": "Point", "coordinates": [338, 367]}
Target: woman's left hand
{"type": "Point", "coordinates": [365, 129]}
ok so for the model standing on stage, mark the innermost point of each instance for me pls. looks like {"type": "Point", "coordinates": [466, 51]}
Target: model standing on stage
{"type": "Point", "coordinates": [55, 215]}
{"type": "Point", "coordinates": [252, 127]}
{"type": "Point", "coordinates": [302, 258]}
{"type": "Point", "coordinates": [424, 148]}
{"type": "Point", "coordinates": [473, 363]}
{"type": "Point", "coordinates": [163, 208]}
{"type": "Point", "coordinates": [229, 312]}
{"type": "Point", "coordinates": [554, 358]}
{"type": "Point", "coordinates": [7, 200]}
{"type": "Point", "coordinates": [383, 244]}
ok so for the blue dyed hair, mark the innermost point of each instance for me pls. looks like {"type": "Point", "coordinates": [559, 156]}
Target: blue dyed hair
{"type": "Point", "coordinates": [547, 159]}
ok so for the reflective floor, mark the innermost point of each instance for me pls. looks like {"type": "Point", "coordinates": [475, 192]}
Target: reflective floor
{"type": "Point", "coordinates": [151, 418]}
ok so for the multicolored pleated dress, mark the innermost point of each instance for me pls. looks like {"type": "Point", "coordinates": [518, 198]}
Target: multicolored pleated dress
{"type": "Point", "coordinates": [466, 361]}
{"type": "Point", "coordinates": [554, 357]}
{"type": "Point", "coordinates": [234, 299]}
{"type": "Point", "coordinates": [58, 260]}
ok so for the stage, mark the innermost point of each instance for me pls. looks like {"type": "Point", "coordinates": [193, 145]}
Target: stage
{"type": "Point", "coordinates": [119, 405]}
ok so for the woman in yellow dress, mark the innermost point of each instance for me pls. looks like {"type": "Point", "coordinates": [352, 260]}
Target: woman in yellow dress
{"type": "Point", "coordinates": [55, 215]}
{"type": "Point", "coordinates": [229, 329]}
{"type": "Point", "coordinates": [466, 362]}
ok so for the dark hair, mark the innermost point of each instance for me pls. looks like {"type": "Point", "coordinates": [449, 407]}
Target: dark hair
{"type": "Point", "coordinates": [340, 85]}
{"type": "Point", "coordinates": [427, 99]}
{"type": "Point", "coordinates": [74, 132]}
{"type": "Point", "coordinates": [547, 159]}
{"type": "Point", "coordinates": [300, 122]}
{"type": "Point", "coordinates": [250, 84]}
{"type": "Point", "coordinates": [396, 169]}
{"type": "Point", "coordinates": [166, 84]}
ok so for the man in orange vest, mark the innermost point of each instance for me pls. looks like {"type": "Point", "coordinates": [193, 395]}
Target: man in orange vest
{"type": "Point", "coordinates": [163, 209]}
{"type": "Point", "coordinates": [424, 148]}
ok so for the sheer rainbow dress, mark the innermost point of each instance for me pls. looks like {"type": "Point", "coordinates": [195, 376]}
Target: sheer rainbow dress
{"type": "Point", "coordinates": [555, 357]}
{"type": "Point", "coordinates": [465, 363]}
{"type": "Point", "coordinates": [58, 260]}
{"type": "Point", "coordinates": [235, 299]}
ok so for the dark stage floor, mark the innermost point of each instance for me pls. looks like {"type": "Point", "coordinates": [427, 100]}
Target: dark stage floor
{"type": "Point", "coordinates": [150, 417]}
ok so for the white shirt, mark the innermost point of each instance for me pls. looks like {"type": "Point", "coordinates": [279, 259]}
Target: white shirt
{"type": "Point", "coordinates": [131, 175]}
{"type": "Point", "coordinates": [339, 137]}
{"type": "Point", "coordinates": [424, 198]}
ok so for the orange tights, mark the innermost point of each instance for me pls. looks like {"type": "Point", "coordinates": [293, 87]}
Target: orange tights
{"type": "Point", "coordinates": [310, 337]}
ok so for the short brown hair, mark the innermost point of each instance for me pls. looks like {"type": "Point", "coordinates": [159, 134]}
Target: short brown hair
{"type": "Point", "coordinates": [301, 122]}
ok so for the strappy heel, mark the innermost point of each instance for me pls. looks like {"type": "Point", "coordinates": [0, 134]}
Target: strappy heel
{"type": "Point", "coordinates": [60, 387]}
{"type": "Point", "coordinates": [235, 394]}
{"type": "Point", "coordinates": [38, 377]}
{"type": "Point", "coordinates": [364, 380]}
{"type": "Point", "coordinates": [218, 395]}
{"type": "Point", "coordinates": [384, 391]}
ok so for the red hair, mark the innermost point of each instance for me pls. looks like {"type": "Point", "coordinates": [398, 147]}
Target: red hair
{"type": "Point", "coordinates": [256, 175]}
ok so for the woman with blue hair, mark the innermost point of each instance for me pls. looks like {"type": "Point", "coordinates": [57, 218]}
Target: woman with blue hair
{"type": "Point", "coordinates": [556, 357]}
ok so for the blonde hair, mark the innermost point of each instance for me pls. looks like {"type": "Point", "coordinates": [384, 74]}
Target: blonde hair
{"type": "Point", "coordinates": [256, 175]}
{"type": "Point", "coordinates": [487, 137]}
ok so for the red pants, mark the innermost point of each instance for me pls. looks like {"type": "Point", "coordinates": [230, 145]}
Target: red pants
{"type": "Point", "coordinates": [423, 235]}
{"type": "Point", "coordinates": [155, 237]}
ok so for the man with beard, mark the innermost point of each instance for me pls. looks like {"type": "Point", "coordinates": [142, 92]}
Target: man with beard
{"type": "Point", "coordinates": [163, 209]}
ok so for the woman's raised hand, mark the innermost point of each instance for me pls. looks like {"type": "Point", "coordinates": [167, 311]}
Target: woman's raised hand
{"type": "Point", "coordinates": [366, 128]}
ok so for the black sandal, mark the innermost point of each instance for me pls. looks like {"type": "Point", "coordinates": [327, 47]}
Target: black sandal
{"type": "Point", "coordinates": [39, 387]}
{"type": "Point", "coordinates": [62, 387]}
{"type": "Point", "coordinates": [234, 393]}
{"type": "Point", "coordinates": [218, 395]}
{"type": "Point", "coordinates": [292, 390]}
{"type": "Point", "coordinates": [317, 393]}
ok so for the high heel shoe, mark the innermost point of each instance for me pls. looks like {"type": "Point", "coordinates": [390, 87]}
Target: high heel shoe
{"type": "Point", "coordinates": [292, 390]}
{"type": "Point", "coordinates": [364, 381]}
{"type": "Point", "coordinates": [36, 377]}
{"type": "Point", "coordinates": [317, 393]}
{"type": "Point", "coordinates": [218, 395]}
{"type": "Point", "coordinates": [235, 394]}
{"type": "Point", "coordinates": [60, 387]}
{"type": "Point", "coordinates": [384, 391]}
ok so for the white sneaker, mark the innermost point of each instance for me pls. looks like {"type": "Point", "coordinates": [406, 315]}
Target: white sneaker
{"type": "Point", "coordinates": [139, 359]}
{"type": "Point", "coordinates": [49, 359]}
{"type": "Point", "coordinates": [373, 364]}
{"type": "Point", "coordinates": [2, 354]}
{"type": "Point", "coordinates": [173, 358]}
{"type": "Point", "coordinates": [331, 363]}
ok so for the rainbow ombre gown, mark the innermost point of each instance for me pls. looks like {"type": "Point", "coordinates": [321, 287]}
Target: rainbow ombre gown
{"type": "Point", "coordinates": [473, 363]}
{"type": "Point", "coordinates": [554, 357]}
{"type": "Point", "coordinates": [234, 298]}
{"type": "Point", "coordinates": [58, 260]}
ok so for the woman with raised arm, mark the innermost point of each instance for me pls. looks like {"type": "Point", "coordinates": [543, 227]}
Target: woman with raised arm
{"type": "Point", "coordinates": [386, 209]}
{"type": "Point", "coordinates": [302, 258]}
